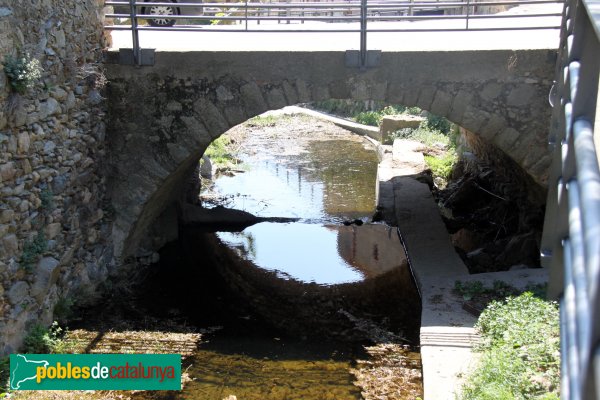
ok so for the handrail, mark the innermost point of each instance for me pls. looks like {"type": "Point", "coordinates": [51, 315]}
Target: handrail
{"type": "Point", "coordinates": [352, 16]}
{"type": "Point", "coordinates": [571, 240]}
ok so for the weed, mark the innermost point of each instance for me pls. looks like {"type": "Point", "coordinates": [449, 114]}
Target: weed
{"type": "Point", "coordinates": [218, 151]}
{"type": "Point", "coordinates": [63, 309]}
{"type": "Point", "coordinates": [4, 375]}
{"type": "Point", "coordinates": [266, 120]}
{"type": "Point", "coordinates": [23, 72]}
{"type": "Point", "coordinates": [372, 118]}
{"type": "Point", "coordinates": [47, 198]}
{"type": "Point", "coordinates": [41, 340]}
{"type": "Point", "coordinates": [468, 290]}
{"type": "Point", "coordinates": [442, 166]}
{"type": "Point", "coordinates": [33, 249]}
{"type": "Point", "coordinates": [521, 357]}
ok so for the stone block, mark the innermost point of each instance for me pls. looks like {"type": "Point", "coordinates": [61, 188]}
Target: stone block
{"type": "Point", "coordinates": [392, 123]}
{"type": "Point", "coordinates": [215, 123]}
{"type": "Point", "coordinates": [53, 230]}
{"type": "Point", "coordinates": [252, 99]}
{"type": "Point", "coordinates": [46, 274]}
{"type": "Point", "coordinates": [275, 99]}
{"type": "Point", "coordinates": [10, 244]}
{"type": "Point", "coordinates": [18, 292]}
{"type": "Point", "coordinates": [426, 96]}
{"type": "Point", "coordinates": [290, 93]}
{"type": "Point", "coordinates": [23, 142]}
{"type": "Point", "coordinates": [7, 171]}
{"type": "Point", "coordinates": [520, 96]}
{"type": "Point", "coordinates": [441, 103]}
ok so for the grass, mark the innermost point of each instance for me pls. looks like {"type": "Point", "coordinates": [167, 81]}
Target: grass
{"type": "Point", "coordinates": [219, 151]}
{"type": "Point", "coordinates": [261, 121]}
{"type": "Point", "coordinates": [520, 351]}
{"type": "Point", "coordinates": [442, 166]}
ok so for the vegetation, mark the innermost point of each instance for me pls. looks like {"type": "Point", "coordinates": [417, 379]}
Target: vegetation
{"type": "Point", "coordinates": [33, 249]}
{"type": "Point", "coordinates": [4, 375]}
{"type": "Point", "coordinates": [261, 121]}
{"type": "Point", "coordinates": [41, 340]}
{"type": "Point", "coordinates": [442, 166]}
{"type": "Point", "coordinates": [47, 198]}
{"type": "Point", "coordinates": [218, 151]}
{"type": "Point", "coordinates": [23, 72]}
{"type": "Point", "coordinates": [374, 118]}
{"type": "Point", "coordinates": [520, 351]}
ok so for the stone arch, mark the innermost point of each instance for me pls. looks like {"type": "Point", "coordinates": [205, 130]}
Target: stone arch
{"type": "Point", "coordinates": [162, 118]}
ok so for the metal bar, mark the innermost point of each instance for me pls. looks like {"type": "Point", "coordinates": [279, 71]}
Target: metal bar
{"type": "Point", "coordinates": [357, 4]}
{"type": "Point", "coordinates": [137, 58]}
{"type": "Point", "coordinates": [468, 9]}
{"type": "Point", "coordinates": [363, 34]}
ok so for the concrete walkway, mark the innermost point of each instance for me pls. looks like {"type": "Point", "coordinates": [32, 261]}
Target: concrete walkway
{"type": "Point", "coordinates": [447, 331]}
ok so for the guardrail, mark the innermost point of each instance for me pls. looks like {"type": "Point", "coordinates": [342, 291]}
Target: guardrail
{"type": "Point", "coordinates": [338, 16]}
{"type": "Point", "coordinates": [571, 241]}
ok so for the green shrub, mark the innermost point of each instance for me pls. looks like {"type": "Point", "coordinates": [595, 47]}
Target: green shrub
{"type": "Point", "coordinates": [372, 118]}
{"type": "Point", "coordinates": [442, 166]}
{"type": "Point", "coordinates": [23, 72]}
{"type": "Point", "coordinates": [33, 249]}
{"type": "Point", "coordinates": [42, 340]}
{"type": "Point", "coordinates": [521, 356]}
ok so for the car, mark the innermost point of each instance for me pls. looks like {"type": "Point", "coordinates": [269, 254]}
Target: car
{"type": "Point", "coordinates": [163, 12]}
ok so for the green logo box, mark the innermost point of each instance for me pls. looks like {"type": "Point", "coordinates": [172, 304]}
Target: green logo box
{"type": "Point", "coordinates": [95, 371]}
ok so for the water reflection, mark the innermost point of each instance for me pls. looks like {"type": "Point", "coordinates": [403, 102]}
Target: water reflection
{"type": "Point", "coordinates": [322, 254]}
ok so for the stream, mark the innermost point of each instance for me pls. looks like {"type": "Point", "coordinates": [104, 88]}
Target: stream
{"type": "Point", "coordinates": [321, 308]}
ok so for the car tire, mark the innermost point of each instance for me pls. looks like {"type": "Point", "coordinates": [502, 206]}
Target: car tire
{"type": "Point", "coordinates": [162, 13]}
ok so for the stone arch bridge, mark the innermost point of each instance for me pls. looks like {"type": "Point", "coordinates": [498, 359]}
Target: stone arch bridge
{"type": "Point", "coordinates": [162, 118]}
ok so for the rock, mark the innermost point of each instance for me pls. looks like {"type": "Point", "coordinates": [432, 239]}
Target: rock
{"type": "Point", "coordinates": [58, 93]}
{"type": "Point", "coordinates": [49, 107]}
{"type": "Point", "coordinates": [46, 275]}
{"type": "Point", "coordinates": [10, 244]}
{"type": "Point", "coordinates": [53, 229]}
{"type": "Point", "coordinates": [206, 169]}
{"type": "Point", "coordinates": [94, 97]}
{"type": "Point", "coordinates": [465, 240]}
{"type": "Point", "coordinates": [71, 101]}
{"type": "Point", "coordinates": [521, 249]}
{"type": "Point", "coordinates": [49, 147]}
{"type": "Point", "coordinates": [23, 142]}
{"type": "Point", "coordinates": [392, 123]}
{"type": "Point", "coordinates": [59, 183]}
{"type": "Point", "coordinates": [481, 259]}
{"type": "Point", "coordinates": [18, 292]}
{"type": "Point", "coordinates": [7, 216]}
{"type": "Point", "coordinates": [7, 171]}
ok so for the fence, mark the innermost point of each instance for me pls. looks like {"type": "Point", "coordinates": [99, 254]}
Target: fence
{"type": "Point", "coordinates": [336, 16]}
{"type": "Point", "coordinates": [571, 242]}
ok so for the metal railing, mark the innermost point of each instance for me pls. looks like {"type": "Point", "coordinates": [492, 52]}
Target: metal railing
{"type": "Point", "coordinates": [360, 16]}
{"type": "Point", "coordinates": [571, 241]}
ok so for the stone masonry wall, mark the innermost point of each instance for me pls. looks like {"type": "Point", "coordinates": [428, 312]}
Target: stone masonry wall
{"type": "Point", "coordinates": [53, 228]}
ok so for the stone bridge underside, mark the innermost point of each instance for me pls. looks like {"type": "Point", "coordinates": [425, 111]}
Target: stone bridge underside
{"type": "Point", "coordinates": [163, 117]}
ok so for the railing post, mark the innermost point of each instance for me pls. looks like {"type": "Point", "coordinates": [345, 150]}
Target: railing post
{"type": "Point", "coordinates": [137, 59]}
{"type": "Point", "coordinates": [363, 34]}
{"type": "Point", "coordinates": [468, 13]}
{"type": "Point", "coordinates": [246, 5]}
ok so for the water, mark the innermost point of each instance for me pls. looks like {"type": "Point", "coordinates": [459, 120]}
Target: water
{"type": "Point", "coordinates": [324, 183]}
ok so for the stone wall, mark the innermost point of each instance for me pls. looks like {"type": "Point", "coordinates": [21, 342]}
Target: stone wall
{"type": "Point", "coordinates": [54, 230]}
